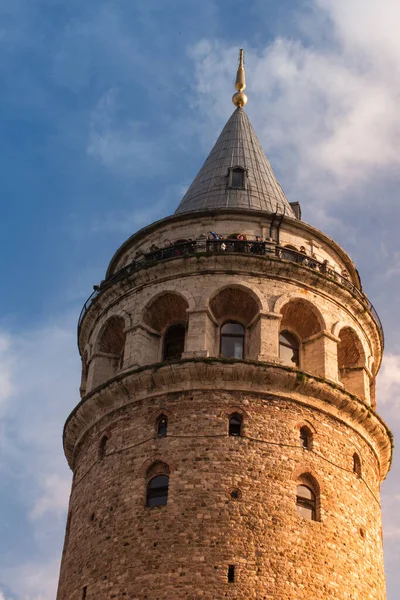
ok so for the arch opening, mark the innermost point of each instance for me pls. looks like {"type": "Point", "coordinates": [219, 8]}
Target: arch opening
{"type": "Point", "coordinates": [289, 349]}
{"type": "Point", "coordinates": [174, 342]}
{"type": "Point", "coordinates": [301, 321]}
{"type": "Point", "coordinates": [162, 426]}
{"type": "Point", "coordinates": [232, 340]}
{"type": "Point", "coordinates": [305, 438]}
{"type": "Point", "coordinates": [235, 424]}
{"type": "Point", "coordinates": [352, 364]}
{"type": "Point", "coordinates": [235, 310]}
{"type": "Point", "coordinates": [167, 316]}
{"type": "Point", "coordinates": [110, 350]}
{"type": "Point", "coordinates": [308, 497]}
{"type": "Point", "coordinates": [157, 484]}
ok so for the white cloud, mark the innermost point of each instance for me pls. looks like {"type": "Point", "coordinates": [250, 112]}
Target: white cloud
{"type": "Point", "coordinates": [35, 580]}
{"type": "Point", "coordinates": [388, 384]}
{"type": "Point", "coordinates": [54, 498]}
{"type": "Point", "coordinates": [121, 144]}
{"type": "Point", "coordinates": [6, 368]}
{"type": "Point", "coordinates": [328, 109]}
{"type": "Point", "coordinates": [43, 389]}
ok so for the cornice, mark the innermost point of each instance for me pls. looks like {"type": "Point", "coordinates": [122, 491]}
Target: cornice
{"type": "Point", "coordinates": [261, 378]}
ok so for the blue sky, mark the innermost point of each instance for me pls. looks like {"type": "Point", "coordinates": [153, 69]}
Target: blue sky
{"type": "Point", "coordinates": [108, 108]}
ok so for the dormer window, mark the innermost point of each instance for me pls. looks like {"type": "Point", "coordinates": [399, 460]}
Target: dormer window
{"type": "Point", "coordinates": [237, 178]}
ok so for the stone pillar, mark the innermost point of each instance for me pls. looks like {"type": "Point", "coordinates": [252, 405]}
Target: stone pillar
{"type": "Point", "coordinates": [253, 339]}
{"type": "Point", "coordinates": [320, 355]}
{"type": "Point", "coordinates": [201, 334]}
{"type": "Point", "coordinates": [269, 326]}
{"type": "Point", "coordinates": [356, 380]}
{"type": "Point", "coordinates": [142, 346]}
{"type": "Point", "coordinates": [103, 366]}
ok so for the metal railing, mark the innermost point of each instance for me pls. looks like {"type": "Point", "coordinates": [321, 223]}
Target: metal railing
{"type": "Point", "coordinates": [202, 245]}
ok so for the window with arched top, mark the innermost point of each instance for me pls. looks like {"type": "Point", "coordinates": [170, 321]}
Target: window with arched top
{"type": "Point", "coordinates": [305, 438]}
{"type": "Point", "coordinates": [232, 340]}
{"type": "Point", "coordinates": [174, 342]}
{"type": "Point", "coordinates": [162, 426]}
{"type": "Point", "coordinates": [157, 491]}
{"type": "Point", "coordinates": [289, 349]}
{"type": "Point", "coordinates": [235, 424]}
{"type": "Point", "coordinates": [306, 502]}
{"type": "Point", "coordinates": [356, 465]}
{"type": "Point", "coordinates": [103, 447]}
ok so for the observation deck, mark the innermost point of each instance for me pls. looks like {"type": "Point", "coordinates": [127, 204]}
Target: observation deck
{"type": "Point", "coordinates": [202, 246]}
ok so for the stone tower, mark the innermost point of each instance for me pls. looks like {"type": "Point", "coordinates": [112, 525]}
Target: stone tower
{"type": "Point", "coordinates": [227, 443]}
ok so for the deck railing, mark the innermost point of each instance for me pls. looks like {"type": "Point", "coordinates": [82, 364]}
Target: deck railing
{"type": "Point", "coordinates": [223, 246]}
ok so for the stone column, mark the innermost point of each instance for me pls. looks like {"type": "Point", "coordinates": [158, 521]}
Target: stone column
{"type": "Point", "coordinates": [356, 380]}
{"type": "Point", "coordinates": [201, 334]}
{"type": "Point", "coordinates": [269, 326]}
{"type": "Point", "coordinates": [103, 366]}
{"type": "Point", "coordinates": [320, 355]}
{"type": "Point", "coordinates": [142, 346]}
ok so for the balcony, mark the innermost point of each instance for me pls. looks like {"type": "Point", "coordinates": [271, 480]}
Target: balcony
{"type": "Point", "coordinates": [204, 246]}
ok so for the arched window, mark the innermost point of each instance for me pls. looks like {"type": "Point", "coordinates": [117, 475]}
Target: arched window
{"type": "Point", "coordinates": [174, 342]}
{"type": "Point", "coordinates": [356, 464]}
{"type": "Point", "coordinates": [162, 426]}
{"type": "Point", "coordinates": [235, 424]}
{"type": "Point", "coordinates": [306, 503]}
{"type": "Point", "coordinates": [103, 447]}
{"type": "Point", "coordinates": [305, 438]}
{"type": "Point", "coordinates": [157, 491]}
{"type": "Point", "coordinates": [289, 349]}
{"type": "Point", "coordinates": [232, 340]}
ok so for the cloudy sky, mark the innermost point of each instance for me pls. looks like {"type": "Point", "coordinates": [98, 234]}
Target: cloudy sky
{"type": "Point", "coordinates": [107, 110]}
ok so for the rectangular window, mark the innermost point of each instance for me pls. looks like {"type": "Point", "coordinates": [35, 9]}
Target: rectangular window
{"type": "Point", "coordinates": [237, 178]}
{"type": "Point", "coordinates": [84, 592]}
{"type": "Point", "coordinates": [231, 574]}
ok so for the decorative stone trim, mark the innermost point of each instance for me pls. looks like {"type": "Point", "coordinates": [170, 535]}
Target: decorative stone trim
{"type": "Point", "coordinates": [212, 374]}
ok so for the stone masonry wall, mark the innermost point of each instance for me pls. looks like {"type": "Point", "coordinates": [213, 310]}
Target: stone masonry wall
{"type": "Point", "coordinates": [118, 548]}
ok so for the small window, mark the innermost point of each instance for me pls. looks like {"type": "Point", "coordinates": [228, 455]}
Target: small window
{"type": "Point", "coordinates": [356, 465]}
{"type": "Point", "coordinates": [305, 438]}
{"type": "Point", "coordinates": [84, 593]}
{"type": "Point", "coordinates": [289, 349]}
{"type": "Point", "coordinates": [237, 178]}
{"type": "Point", "coordinates": [305, 503]}
{"type": "Point", "coordinates": [236, 494]}
{"type": "Point", "coordinates": [103, 447]}
{"type": "Point", "coordinates": [232, 340]}
{"type": "Point", "coordinates": [174, 342]}
{"type": "Point", "coordinates": [235, 424]}
{"type": "Point", "coordinates": [157, 491]}
{"type": "Point", "coordinates": [231, 574]}
{"type": "Point", "coordinates": [162, 426]}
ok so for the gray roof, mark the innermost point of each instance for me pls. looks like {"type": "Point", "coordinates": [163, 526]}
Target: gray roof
{"type": "Point", "coordinates": [237, 146]}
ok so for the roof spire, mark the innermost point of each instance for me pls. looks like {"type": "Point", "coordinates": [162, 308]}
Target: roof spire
{"type": "Point", "coordinates": [240, 99]}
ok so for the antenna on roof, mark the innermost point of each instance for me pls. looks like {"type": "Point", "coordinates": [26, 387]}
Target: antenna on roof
{"type": "Point", "coordinates": [240, 99]}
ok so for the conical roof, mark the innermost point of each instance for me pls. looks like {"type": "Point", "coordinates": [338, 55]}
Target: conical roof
{"type": "Point", "coordinates": [215, 188]}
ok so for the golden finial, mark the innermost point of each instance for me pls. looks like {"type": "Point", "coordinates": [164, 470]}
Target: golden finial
{"type": "Point", "coordinates": [240, 99]}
